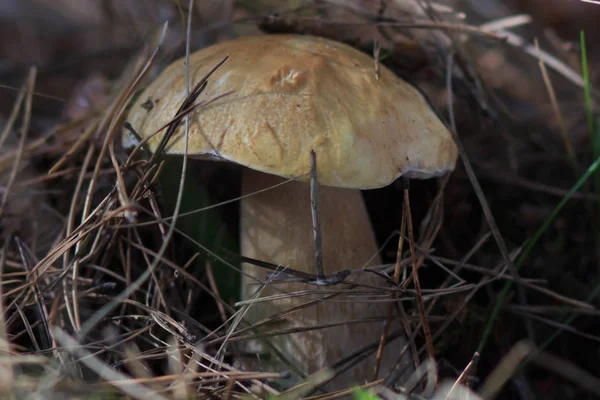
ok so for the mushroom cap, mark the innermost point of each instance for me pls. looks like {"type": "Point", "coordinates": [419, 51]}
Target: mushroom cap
{"type": "Point", "coordinates": [293, 94]}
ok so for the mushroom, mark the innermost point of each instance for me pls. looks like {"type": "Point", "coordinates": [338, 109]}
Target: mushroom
{"type": "Point", "coordinates": [292, 95]}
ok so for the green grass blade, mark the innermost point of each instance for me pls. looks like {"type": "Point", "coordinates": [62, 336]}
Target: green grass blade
{"type": "Point", "coordinates": [592, 131]}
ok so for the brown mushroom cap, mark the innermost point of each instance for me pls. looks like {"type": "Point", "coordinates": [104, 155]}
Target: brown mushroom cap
{"type": "Point", "coordinates": [293, 94]}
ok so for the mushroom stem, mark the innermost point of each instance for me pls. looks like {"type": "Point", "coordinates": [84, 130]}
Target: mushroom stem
{"type": "Point", "coordinates": [276, 226]}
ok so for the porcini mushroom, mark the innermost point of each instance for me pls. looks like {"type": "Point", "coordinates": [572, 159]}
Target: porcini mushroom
{"type": "Point", "coordinates": [292, 95]}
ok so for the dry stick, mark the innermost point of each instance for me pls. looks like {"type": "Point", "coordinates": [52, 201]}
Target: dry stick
{"type": "Point", "coordinates": [37, 295]}
{"type": "Point", "coordinates": [415, 274]}
{"type": "Point", "coordinates": [29, 329]}
{"type": "Point", "coordinates": [125, 261]}
{"type": "Point", "coordinates": [228, 389]}
{"type": "Point", "coordinates": [267, 320]}
{"type": "Point", "coordinates": [120, 185]}
{"type": "Point", "coordinates": [559, 118]}
{"type": "Point", "coordinates": [70, 172]}
{"type": "Point", "coordinates": [217, 376]}
{"type": "Point", "coordinates": [505, 177]}
{"type": "Point", "coordinates": [376, 53]}
{"type": "Point", "coordinates": [558, 325]}
{"type": "Point", "coordinates": [436, 217]}
{"type": "Point", "coordinates": [287, 331]}
{"type": "Point", "coordinates": [388, 320]}
{"type": "Point", "coordinates": [406, 325]}
{"type": "Point", "coordinates": [183, 114]}
{"type": "Point", "coordinates": [23, 138]}
{"type": "Point", "coordinates": [81, 140]}
{"type": "Point", "coordinates": [73, 313]}
{"type": "Point", "coordinates": [213, 285]}
{"type": "Point", "coordinates": [35, 146]}
{"type": "Point", "coordinates": [443, 26]}
{"type": "Point", "coordinates": [363, 352]}
{"type": "Point", "coordinates": [314, 207]}
{"type": "Point", "coordinates": [161, 296]}
{"type": "Point", "coordinates": [410, 337]}
{"type": "Point", "coordinates": [548, 59]}
{"type": "Point", "coordinates": [463, 376]}
{"type": "Point", "coordinates": [144, 188]}
{"type": "Point", "coordinates": [164, 220]}
{"type": "Point", "coordinates": [6, 131]}
{"type": "Point", "coordinates": [459, 264]}
{"type": "Point", "coordinates": [7, 372]}
{"type": "Point", "coordinates": [430, 233]}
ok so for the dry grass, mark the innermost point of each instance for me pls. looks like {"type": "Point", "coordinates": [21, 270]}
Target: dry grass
{"type": "Point", "coordinates": [115, 282]}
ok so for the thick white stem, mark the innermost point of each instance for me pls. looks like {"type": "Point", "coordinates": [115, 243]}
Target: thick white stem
{"type": "Point", "coordinates": [276, 226]}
